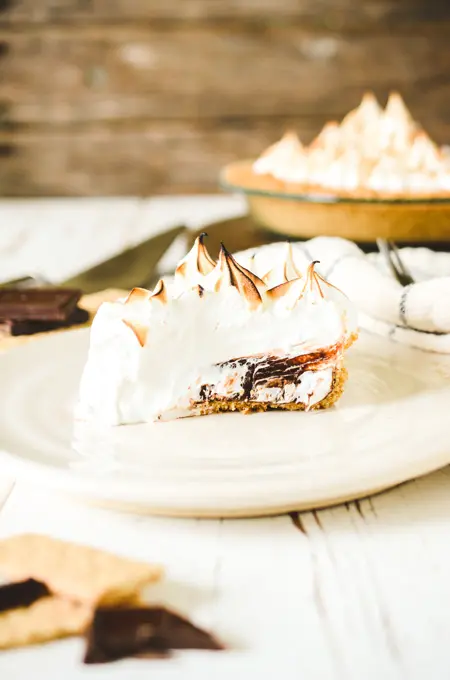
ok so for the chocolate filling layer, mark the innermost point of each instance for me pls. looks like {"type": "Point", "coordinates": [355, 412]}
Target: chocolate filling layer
{"type": "Point", "coordinates": [269, 371]}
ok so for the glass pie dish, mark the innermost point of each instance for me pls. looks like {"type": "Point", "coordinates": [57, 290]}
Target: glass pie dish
{"type": "Point", "coordinates": [281, 208]}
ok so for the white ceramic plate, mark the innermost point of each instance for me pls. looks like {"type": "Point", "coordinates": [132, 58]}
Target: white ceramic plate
{"type": "Point", "coordinates": [392, 424]}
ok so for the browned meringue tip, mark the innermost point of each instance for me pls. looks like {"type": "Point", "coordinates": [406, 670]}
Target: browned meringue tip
{"type": "Point", "coordinates": [290, 268]}
{"type": "Point", "coordinates": [396, 107]}
{"type": "Point", "coordinates": [181, 269]}
{"type": "Point", "coordinates": [159, 292]}
{"type": "Point", "coordinates": [313, 280]}
{"type": "Point", "coordinates": [137, 295]}
{"type": "Point", "coordinates": [321, 139]}
{"type": "Point", "coordinates": [423, 138]}
{"type": "Point", "coordinates": [369, 98]}
{"type": "Point", "coordinates": [283, 271]}
{"type": "Point", "coordinates": [259, 283]}
{"type": "Point", "coordinates": [354, 118]}
{"type": "Point", "coordinates": [282, 289]}
{"type": "Point", "coordinates": [291, 135]}
{"type": "Point", "coordinates": [394, 98]}
{"type": "Point", "coordinates": [205, 263]}
{"type": "Point", "coordinates": [203, 260]}
{"type": "Point", "coordinates": [138, 329]}
{"type": "Point", "coordinates": [267, 276]}
{"type": "Point", "coordinates": [233, 274]}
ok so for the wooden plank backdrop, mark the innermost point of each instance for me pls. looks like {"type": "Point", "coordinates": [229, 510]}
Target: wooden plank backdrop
{"type": "Point", "coordinates": [103, 97]}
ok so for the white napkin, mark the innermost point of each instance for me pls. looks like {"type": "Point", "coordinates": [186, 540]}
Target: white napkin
{"type": "Point", "coordinates": [417, 315]}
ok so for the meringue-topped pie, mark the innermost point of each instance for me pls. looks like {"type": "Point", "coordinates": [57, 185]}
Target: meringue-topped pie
{"type": "Point", "coordinates": [218, 337]}
{"type": "Point", "coordinates": [372, 153]}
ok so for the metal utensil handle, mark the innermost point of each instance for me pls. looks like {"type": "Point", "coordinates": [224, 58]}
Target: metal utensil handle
{"type": "Point", "coordinates": [25, 282]}
{"type": "Point", "coordinates": [405, 277]}
{"type": "Point", "coordinates": [390, 252]}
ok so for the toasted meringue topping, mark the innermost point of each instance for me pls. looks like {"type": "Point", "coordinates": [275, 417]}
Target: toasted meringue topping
{"type": "Point", "coordinates": [374, 149]}
{"type": "Point", "coordinates": [205, 263]}
{"type": "Point", "coordinates": [160, 292]}
{"type": "Point", "coordinates": [424, 153]}
{"type": "Point", "coordinates": [366, 114]}
{"type": "Point", "coordinates": [289, 292]}
{"type": "Point", "coordinates": [287, 152]}
{"type": "Point", "coordinates": [230, 273]}
{"type": "Point", "coordinates": [259, 284]}
{"type": "Point", "coordinates": [329, 137]}
{"type": "Point", "coordinates": [396, 110]}
{"type": "Point", "coordinates": [313, 280]}
{"type": "Point", "coordinates": [138, 295]}
{"type": "Point", "coordinates": [290, 269]}
{"type": "Point", "coordinates": [138, 329]}
{"type": "Point", "coordinates": [285, 270]}
{"type": "Point", "coordinates": [197, 263]}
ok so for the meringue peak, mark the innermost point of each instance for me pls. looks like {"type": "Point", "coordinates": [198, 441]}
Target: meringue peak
{"type": "Point", "coordinates": [313, 280]}
{"type": "Point", "coordinates": [138, 329]}
{"type": "Point", "coordinates": [137, 295]}
{"type": "Point", "coordinates": [288, 150]}
{"type": "Point", "coordinates": [205, 263]}
{"type": "Point", "coordinates": [329, 135]}
{"type": "Point", "coordinates": [197, 263]}
{"type": "Point", "coordinates": [370, 104]}
{"type": "Point", "coordinates": [291, 137]}
{"type": "Point", "coordinates": [289, 291]}
{"type": "Point", "coordinates": [159, 292]}
{"type": "Point", "coordinates": [316, 283]}
{"type": "Point", "coordinates": [285, 270]}
{"type": "Point", "coordinates": [289, 142]}
{"type": "Point", "coordinates": [290, 269]}
{"type": "Point", "coordinates": [396, 108]}
{"type": "Point", "coordinates": [233, 274]}
{"type": "Point", "coordinates": [353, 155]}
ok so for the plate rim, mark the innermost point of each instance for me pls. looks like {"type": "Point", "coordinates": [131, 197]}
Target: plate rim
{"type": "Point", "coordinates": [70, 482]}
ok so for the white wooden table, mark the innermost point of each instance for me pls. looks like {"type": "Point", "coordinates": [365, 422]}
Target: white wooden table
{"type": "Point", "coordinates": [360, 591]}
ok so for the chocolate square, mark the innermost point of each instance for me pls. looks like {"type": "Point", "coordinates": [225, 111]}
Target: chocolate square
{"type": "Point", "coordinates": [30, 327]}
{"type": "Point", "coordinates": [21, 594]}
{"type": "Point", "coordinates": [37, 304]}
{"type": "Point", "coordinates": [141, 631]}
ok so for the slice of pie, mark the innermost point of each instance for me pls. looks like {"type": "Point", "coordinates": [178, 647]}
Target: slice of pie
{"type": "Point", "coordinates": [217, 337]}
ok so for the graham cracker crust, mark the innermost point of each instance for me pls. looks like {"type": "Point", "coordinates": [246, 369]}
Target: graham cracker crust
{"type": "Point", "coordinates": [241, 174]}
{"type": "Point", "coordinates": [222, 405]}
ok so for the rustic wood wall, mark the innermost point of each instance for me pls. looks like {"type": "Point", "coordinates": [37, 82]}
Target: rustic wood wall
{"type": "Point", "coordinates": [145, 96]}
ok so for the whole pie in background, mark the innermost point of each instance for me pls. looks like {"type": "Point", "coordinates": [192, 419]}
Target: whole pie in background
{"type": "Point", "coordinates": [373, 152]}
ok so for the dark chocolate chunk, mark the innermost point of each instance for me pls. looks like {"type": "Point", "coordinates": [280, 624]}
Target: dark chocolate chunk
{"type": "Point", "coordinates": [14, 328]}
{"type": "Point", "coordinates": [38, 304]}
{"type": "Point", "coordinates": [21, 594]}
{"type": "Point", "coordinates": [116, 633]}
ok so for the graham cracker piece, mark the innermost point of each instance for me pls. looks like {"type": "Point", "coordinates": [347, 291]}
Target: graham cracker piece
{"type": "Point", "coordinates": [75, 571]}
{"type": "Point", "coordinates": [92, 302]}
{"type": "Point", "coordinates": [50, 618]}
